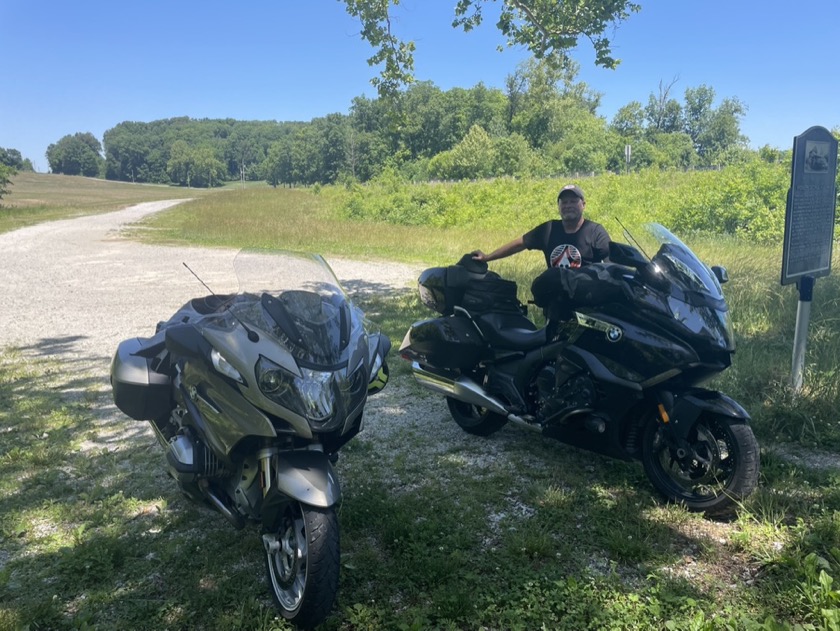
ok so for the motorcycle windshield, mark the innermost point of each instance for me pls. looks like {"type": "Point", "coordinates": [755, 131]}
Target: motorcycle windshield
{"type": "Point", "coordinates": [682, 268]}
{"type": "Point", "coordinates": [297, 299]}
{"type": "Point", "coordinates": [695, 297]}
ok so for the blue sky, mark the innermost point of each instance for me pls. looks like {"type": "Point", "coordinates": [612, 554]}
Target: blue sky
{"type": "Point", "coordinates": [86, 66]}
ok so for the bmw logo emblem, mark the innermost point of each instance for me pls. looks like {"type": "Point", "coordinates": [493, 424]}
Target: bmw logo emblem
{"type": "Point", "coordinates": [614, 334]}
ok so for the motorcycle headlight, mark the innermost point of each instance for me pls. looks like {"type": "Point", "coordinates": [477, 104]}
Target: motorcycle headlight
{"type": "Point", "coordinates": [310, 395]}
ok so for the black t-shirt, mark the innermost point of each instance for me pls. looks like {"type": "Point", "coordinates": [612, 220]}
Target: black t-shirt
{"type": "Point", "coordinates": [590, 244]}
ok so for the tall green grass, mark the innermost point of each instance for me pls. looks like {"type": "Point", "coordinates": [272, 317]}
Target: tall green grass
{"type": "Point", "coordinates": [745, 200]}
{"type": "Point", "coordinates": [305, 219]}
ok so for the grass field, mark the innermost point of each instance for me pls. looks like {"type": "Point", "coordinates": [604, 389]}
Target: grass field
{"type": "Point", "coordinates": [37, 197]}
{"type": "Point", "coordinates": [440, 530]}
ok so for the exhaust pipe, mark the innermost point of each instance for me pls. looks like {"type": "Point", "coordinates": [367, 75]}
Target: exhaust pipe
{"type": "Point", "coordinates": [465, 389]}
{"type": "Point", "coordinates": [461, 388]}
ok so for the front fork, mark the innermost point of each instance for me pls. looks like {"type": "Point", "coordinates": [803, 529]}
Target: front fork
{"type": "Point", "coordinates": [678, 413]}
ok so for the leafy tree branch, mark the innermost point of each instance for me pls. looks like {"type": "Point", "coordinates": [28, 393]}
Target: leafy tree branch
{"type": "Point", "coordinates": [548, 28]}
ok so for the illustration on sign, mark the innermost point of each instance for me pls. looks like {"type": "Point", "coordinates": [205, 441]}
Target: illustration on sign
{"type": "Point", "coordinates": [817, 156]}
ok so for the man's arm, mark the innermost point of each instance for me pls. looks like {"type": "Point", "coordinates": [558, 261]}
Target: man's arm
{"type": "Point", "coordinates": [517, 245]}
{"type": "Point", "coordinates": [601, 243]}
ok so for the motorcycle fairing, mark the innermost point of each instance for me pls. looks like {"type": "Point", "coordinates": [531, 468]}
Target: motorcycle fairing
{"type": "Point", "coordinates": [303, 333]}
{"type": "Point", "coordinates": [694, 295]}
{"type": "Point", "coordinates": [653, 349]}
{"type": "Point", "coordinates": [217, 403]}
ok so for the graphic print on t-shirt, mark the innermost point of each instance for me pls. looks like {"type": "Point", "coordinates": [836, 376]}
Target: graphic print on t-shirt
{"type": "Point", "coordinates": [565, 256]}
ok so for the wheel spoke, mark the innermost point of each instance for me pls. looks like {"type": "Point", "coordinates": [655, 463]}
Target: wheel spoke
{"type": "Point", "coordinates": [711, 468]}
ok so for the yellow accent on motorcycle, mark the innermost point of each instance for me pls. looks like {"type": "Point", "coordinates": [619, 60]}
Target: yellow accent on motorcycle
{"type": "Point", "coordinates": [663, 414]}
{"type": "Point", "coordinates": [379, 381]}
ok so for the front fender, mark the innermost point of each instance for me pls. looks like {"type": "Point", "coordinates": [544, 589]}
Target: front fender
{"type": "Point", "coordinates": [688, 406]}
{"type": "Point", "coordinates": [308, 477]}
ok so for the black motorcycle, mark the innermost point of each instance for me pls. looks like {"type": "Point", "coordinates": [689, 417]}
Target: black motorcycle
{"type": "Point", "coordinates": [251, 395]}
{"type": "Point", "coordinates": [617, 369]}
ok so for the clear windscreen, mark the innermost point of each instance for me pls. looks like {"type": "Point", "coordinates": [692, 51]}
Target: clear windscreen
{"type": "Point", "coordinates": [296, 299]}
{"type": "Point", "coordinates": [675, 263]}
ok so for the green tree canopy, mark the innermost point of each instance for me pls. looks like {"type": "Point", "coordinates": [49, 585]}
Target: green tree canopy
{"type": "Point", "coordinates": [79, 154]}
{"type": "Point", "coordinates": [12, 158]}
{"type": "Point", "coordinates": [6, 173]}
{"type": "Point", "coordinates": [474, 157]}
{"type": "Point", "coordinates": [663, 112]}
{"type": "Point", "coordinates": [181, 163]}
{"type": "Point", "coordinates": [713, 130]}
{"type": "Point", "coordinates": [688, 134]}
{"type": "Point", "coordinates": [543, 122]}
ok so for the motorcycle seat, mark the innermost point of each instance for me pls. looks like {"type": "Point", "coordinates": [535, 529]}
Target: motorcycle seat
{"type": "Point", "coordinates": [511, 331]}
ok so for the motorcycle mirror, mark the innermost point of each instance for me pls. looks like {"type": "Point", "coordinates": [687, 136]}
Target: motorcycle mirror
{"type": "Point", "coordinates": [720, 273]}
{"type": "Point", "coordinates": [624, 254]}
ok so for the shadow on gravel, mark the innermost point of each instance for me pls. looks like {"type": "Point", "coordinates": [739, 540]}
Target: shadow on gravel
{"type": "Point", "coordinates": [50, 346]}
{"type": "Point", "coordinates": [358, 288]}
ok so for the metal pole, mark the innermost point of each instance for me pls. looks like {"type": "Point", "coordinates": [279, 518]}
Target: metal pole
{"type": "Point", "coordinates": [800, 338]}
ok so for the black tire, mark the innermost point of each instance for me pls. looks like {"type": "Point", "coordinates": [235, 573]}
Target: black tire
{"type": "Point", "coordinates": [474, 419]}
{"type": "Point", "coordinates": [302, 558]}
{"type": "Point", "coordinates": [724, 472]}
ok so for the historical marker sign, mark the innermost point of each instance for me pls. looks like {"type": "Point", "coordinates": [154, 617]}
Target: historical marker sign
{"type": "Point", "coordinates": [809, 218]}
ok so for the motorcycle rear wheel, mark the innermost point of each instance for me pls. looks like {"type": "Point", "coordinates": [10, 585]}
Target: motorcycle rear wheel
{"type": "Point", "coordinates": [302, 558]}
{"type": "Point", "coordinates": [722, 472]}
{"type": "Point", "coordinates": [474, 419]}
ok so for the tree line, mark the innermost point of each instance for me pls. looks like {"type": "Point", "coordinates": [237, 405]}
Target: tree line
{"type": "Point", "coordinates": [11, 161]}
{"type": "Point", "coordinates": [544, 122]}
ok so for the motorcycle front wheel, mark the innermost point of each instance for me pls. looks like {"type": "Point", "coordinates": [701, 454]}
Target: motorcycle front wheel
{"type": "Point", "coordinates": [712, 472]}
{"type": "Point", "coordinates": [474, 419]}
{"type": "Point", "coordinates": [302, 552]}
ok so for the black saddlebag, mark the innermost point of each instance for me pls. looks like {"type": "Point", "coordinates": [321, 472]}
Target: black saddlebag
{"type": "Point", "coordinates": [139, 391]}
{"type": "Point", "coordinates": [451, 342]}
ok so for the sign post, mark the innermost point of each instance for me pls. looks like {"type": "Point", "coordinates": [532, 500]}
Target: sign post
{"type": "Point", "coordinates": [809, 228]}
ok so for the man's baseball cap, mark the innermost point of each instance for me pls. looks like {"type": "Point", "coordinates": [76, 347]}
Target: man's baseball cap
{"type": "Point", "coordinates": [574, 189]}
